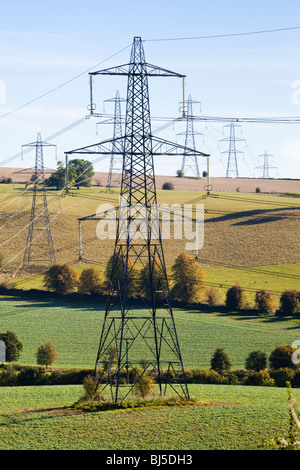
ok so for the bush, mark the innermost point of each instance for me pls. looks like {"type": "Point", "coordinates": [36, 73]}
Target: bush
{"type": "Point", "coordinates": [90, 281]}
{"type": "Point", "coordinates": [8, 376]}
{"type": "Point", "coordinates": [32, 376]}
{"type": "Point", "coordinates": [290, 302]}
{"type": "Point", "coordinates": [296, 379]}
{"type": "Point", "coordinates": [14, 347]}
{"type": "Point", "coordinates": [220, 361]}
{"type": "Point", "coordinates": [92, 389]}
{"type": "Point", "coordinates": [179, 174]}
{"type": "Point", "coordinates": [265, 301]}
{"type": "Point", "coordinates": [256, 361]}
{"type": "Point", "coordinates": [213, 296]}
{"type": "Point", "coordinates": [283, 376]}
{"type": "Point", "coordinates": [261, 378]}
{"type": "Point", "coordinates": [168, 186]}
{"type": "Point", "coordinates": [235, 298]}
{"type": "Point", "coordinates": [61, 278]}
{"type": "Point", "coordinates": [144, 383]}
{"type": "Point", "coordinates": [281, 357]}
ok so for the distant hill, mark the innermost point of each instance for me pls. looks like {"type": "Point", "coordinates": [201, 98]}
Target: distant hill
{"type": "Point", "coordinates": [244, 185]}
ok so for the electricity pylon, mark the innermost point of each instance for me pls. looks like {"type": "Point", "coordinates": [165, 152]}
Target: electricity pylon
{"type": "Point", "coordinates": [132, 335]}
{"type": "Point", "coordinates": [232, 164]}
{"type": "Point", "coordinates": [266, 166]}
{"type": "Point", "coordinates": [39, 245]}
{"type": "Point", "coordinates": [116, 162]}
{"type": "Point", "coordinates": [189, 165]}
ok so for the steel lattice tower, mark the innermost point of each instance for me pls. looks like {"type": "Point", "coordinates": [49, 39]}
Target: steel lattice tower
{"type": "Point", "coordinates": [116, 162]}
{"type": "Point", "coordinates": [190, 162]}
{"type": "Point", "coordinates": [266, 166]}
{"type": "Point", "coordinates": [232, 164]}
{"type": "Point", "coordinates": [132, 332]}
{"type": "Point", "coordinates": [39, 246]}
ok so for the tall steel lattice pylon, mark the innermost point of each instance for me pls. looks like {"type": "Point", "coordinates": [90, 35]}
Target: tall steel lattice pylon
{"type": "Point", "coordinates": [39, 245]}
{"type": "Point", "coordinates": [266, 165]}
{"type": "Point", "coordinates": [232, 163]}
{"type": "Point", "coordinates": [189, 165]}
{"type": "Point", "coordinates": [134, 334]}
{"type": "Point", "coordinates": [116, 162]}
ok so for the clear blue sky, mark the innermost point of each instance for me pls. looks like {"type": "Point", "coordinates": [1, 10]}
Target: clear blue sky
{"type": "Point", "coordinates": [47, 43]}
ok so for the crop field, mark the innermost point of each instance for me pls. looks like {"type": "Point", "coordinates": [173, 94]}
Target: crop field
{"type": "Point", "coordinates": [227, 418]}
{"type": "Point", "coordinates": [74, 328]}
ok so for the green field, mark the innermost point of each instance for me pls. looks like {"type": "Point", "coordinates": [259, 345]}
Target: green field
{"type": "Point", "coordinates": [230, 418]}
{"type": "Point", "coordinates": [74, 329]}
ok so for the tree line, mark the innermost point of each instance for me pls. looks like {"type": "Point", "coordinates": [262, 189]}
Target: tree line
{"type": "Point", "coordinates": [187, 285]}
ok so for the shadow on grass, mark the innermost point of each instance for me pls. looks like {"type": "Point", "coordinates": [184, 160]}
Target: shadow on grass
{"type": "Point", "coordinates": [262, 216]}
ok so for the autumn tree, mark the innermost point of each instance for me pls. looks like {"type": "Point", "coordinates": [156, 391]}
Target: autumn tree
{"type": "Point", "coordinates": [265, 301]}
{"type": "Point", "coordinates": [153, 281]}
{"type": "Point", "coordinates": [188, 278]}
{"type": "Point", "coordinates": [46, 354]}
{"type": "Point", "coordinates": [91, 281]}
{"type": "Point", "coordinates": [235, 297]}
{"type": "Point", "coordinates": [61, 278]}
{"type": "Point", "coordinates": [114, 275]}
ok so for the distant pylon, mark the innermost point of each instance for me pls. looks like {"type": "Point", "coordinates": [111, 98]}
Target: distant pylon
{"type": "Point", "coordinates": [232, 164]}
{"type": "Point", "coordinates": [39, 246]}
{"type": "Point", "coordinates": [266, 166]}
{"type": "Point", "coordinates": [189, 165]}
{"type": "Point", "coordinates": [116, 162]}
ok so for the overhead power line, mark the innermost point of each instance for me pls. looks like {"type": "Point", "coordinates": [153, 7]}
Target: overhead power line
{"type": "Point", "coordinates": [213, 36]}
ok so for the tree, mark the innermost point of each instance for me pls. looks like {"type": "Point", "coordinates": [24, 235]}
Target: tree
{"type": "Point", "coordinates": [91, 281]}
{"type": "Point", "coordinates": [14, 347]}
{"type": "Point", "coordinates": [188, 278]}
{"type": "Point", "coordinates": [115, 272]}
{"type": "Point", "coordinates": [290, 302]}
{"type": "Point", "coordinates": [46, 354]}
{"type": "Point", "coordinates": [281, 357]}
{"type": "Point", "coordinates": [61, 278]}
{"type": "Point", "coordinates": [58, 178]}
{"type": "Point", "coordinates": [256, 361]}
{"type": "Point", "coordinates": [265, 301]}
{"type": "Point", "coordinates": [235, 297]}
{"type": "Point", "coordinates": [179, 174]}
{"type": "Point", "coordinates": [158, 288]}
{"type": "Point", "coordinates": [220, 361]}
{"type": "Point", "coordinates": [84, 171]}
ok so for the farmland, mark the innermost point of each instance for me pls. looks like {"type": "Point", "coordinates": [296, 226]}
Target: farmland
{"type": "Point", "coordinates": [39, 418]}
{"type": "Point", "coordinates": [74, 328]}
{"type": "Point", "coordinates": [251, 238]}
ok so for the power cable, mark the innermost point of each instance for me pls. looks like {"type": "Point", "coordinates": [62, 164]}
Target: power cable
{"type": "Point", "coordinates": [214, 36]}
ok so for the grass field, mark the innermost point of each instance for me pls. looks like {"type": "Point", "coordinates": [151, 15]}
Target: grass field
{"type": "Point", "coordinates": [74, 329]}
{"type": "Point", "coordinates": [229, 418]}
